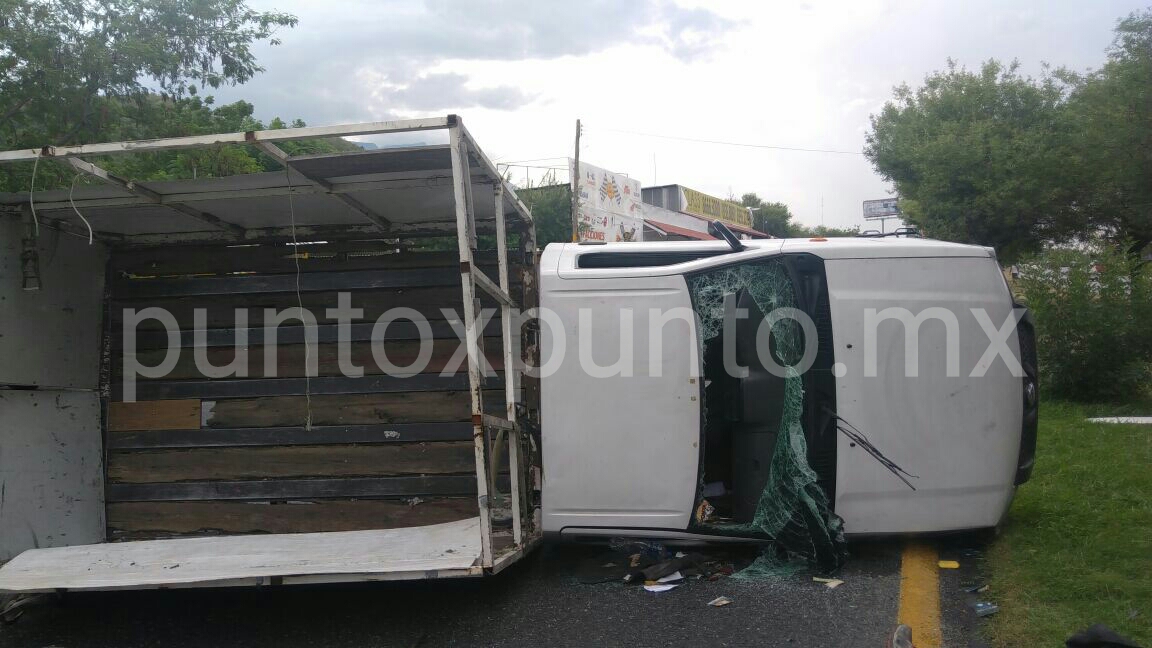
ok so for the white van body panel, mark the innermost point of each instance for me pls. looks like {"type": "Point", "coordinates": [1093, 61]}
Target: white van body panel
{"type": "Point", "coordinates": [618, 451]}
{"type": "Point", "coordinates": [960, 435]}
{"type": "Point", "coordinates": [623, 453]}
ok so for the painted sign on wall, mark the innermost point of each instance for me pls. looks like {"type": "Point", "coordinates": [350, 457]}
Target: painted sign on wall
{"type": "Point", "coordinates": [610, 205]}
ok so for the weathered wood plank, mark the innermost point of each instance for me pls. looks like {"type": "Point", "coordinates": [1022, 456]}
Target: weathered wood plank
{"type": "Point", "coordinates": [263, 387]}
{"type": "Point", "coordinates": [400, 330]}
{"type": "Point", "coordinates": [220, 311]}
{"type": "Point", "coordinates": [154, 415]}
{"type": "Point", "coordinates": [204, 464]}
{"type": "Point", "coordinates": [140, 520]}
{"type": "Point", "coordinates": [218, 259]}
{"type": "Point", "coordinates": [289, 436]}
{"type": "Point", "coordinates": [242, 284]}
{"type": "Point", "coordinates": [290, 358]}
{"type": "Point", "coordinates": [352, 409]}
{"type": "Point", "coordinates": [296, 489]}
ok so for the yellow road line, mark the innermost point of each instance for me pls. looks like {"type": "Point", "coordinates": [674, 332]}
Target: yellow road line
{"type": "Point", "coordinates": [920, 594]}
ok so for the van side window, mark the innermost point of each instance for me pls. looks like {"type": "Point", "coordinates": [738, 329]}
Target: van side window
{"type": "Point", "coordinates": [641, 259]}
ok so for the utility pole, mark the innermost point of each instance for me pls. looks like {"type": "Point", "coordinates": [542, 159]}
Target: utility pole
{"type": "Point", "coordinates": [576, 189]}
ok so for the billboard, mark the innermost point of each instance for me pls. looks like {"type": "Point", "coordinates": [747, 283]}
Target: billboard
{"type": "Point", "coordinates": [882, 208]}
{"type": "Point", "coordinates": [713, 208]}
{"type": "Point", "coordinates": [609, 205]}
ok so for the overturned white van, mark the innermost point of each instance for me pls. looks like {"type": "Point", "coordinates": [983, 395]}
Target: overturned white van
{"type": "Point", "coordinates": [910, 405]}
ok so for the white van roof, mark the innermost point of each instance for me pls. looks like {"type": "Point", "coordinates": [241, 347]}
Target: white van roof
{"type": "Point", "coordinates": [850, 247]}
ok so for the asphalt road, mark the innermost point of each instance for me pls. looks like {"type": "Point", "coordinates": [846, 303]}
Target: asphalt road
{"type": "Point", "coordinates": [540, 602]}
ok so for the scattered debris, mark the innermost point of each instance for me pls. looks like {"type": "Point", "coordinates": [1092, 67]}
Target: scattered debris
{"type": "Point", "coordinates": [704, 512]}
{"type": "Point", "coordinates": [977, 589]}
{"type": "Point", "coordinates": [1099, 636]}
{"type": "Point", "coordinates": [414, 501]}
{"type": "Point", "coordinates": [984, 608]}
{"type": "Point", "coordinates": [654, 562]}
{"type": "Point", "coordinates": [671, 581]}
{"type": "Point", "coordinates": [901, 638]}
{"type": "Point", "coordinates": [659, 570]}
{"type": "Point", "coordinates": [948, 564]}
{"type": "Point", "coordinates": [720, 601]}
{"type": "Point", "coordinates": [646, 548]}
{"type": "Point", "coordinates": [12, 605]}
{"type": "Point", "coordinates": [830, 583]}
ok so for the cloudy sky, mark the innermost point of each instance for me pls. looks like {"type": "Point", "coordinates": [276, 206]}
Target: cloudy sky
{"type": "Point", "coordinates": [787, 73]}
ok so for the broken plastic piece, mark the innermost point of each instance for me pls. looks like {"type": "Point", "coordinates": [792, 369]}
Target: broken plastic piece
{"type": "Point", "coordinates": [984, 608]}
{"type": "Point", "coordinates": [901, 638]}
{"type": "Point", "coordinates": [671, 581]}
{"type": "Point", "coordinates": [720, 601]}
{"type": "Point", "coordinates": [830, 583]}
{"type": "Point", "coordinates": [704, 512]}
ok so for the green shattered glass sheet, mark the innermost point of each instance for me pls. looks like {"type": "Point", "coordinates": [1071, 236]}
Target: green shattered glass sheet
{"type": "Point", "coordinates": [793, 510]}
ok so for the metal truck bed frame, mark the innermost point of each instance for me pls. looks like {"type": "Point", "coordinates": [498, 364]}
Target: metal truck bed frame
{"type": "Point", "coordinates": [389, 194]}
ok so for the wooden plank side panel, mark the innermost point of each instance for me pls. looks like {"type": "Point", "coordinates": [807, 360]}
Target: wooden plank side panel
{"type": "Point", "coordinates": [243, 284]}
{"type": "Point", "coordinates": [217, 259]}
{"type": "Point", "coordinates": [352, 455]}
{"type": "Point", "coordinates": [327, 385]}
{"type": "Point", "coordinates": [290, 436]}
{"type": "Point", "coordinates": [154, 415]}
{"type": "Point", "coordinates": [297, 489]}
{"type": "Point", "coordinates": [206, 464]}
{"type": "Point", "coordinates": [220, 310]}
{"type": "Point", "coordinates": [346, 409]}
{"type": "Point", "coordinates": [289, 359]}
{"type": "Point", "coordinates": [143, 520]}
{"type": "Point", "coordinates": [290, 334]}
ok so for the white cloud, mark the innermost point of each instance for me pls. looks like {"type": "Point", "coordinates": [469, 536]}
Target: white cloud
{"type": "Point", "coordinates": [802, 74]}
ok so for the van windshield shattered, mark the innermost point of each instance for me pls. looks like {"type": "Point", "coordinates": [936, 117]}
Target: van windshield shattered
{"type": "Point", "coordinates": [757, 480]}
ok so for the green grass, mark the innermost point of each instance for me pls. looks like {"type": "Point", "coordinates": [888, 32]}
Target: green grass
{"type": "Point", "coordinates": [1076, 548]}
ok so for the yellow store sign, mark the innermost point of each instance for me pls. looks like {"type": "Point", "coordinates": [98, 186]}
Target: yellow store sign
{"type": "Point", "coordinates": [711, 207]}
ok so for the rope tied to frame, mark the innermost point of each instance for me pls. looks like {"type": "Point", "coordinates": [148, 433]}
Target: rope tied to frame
{"type": "Point", "coordinates": [300, 304]}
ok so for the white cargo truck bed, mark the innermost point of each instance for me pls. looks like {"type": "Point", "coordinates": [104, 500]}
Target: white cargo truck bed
{"type": "Point", "coordinates": [436, 551]}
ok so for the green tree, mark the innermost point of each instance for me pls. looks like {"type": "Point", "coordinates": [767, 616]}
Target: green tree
{"type": "Point", "coordinates": [769, 217]}
{"type": "Point", "coordinates": [799, 230]}
{"type": "Point", "coordinates": [1093, 311]}
{"type": "Point", "coordinates": [551, 206]}
{"type": "Point", "coordinates": [166, 117]}
{"type": "Point", "coordinates": [67, 65]}
{"type": "Point", "coordinates": [979, 157]}
{"type": "Point", "coordinates": [1111, 142]}
{"type": "Point", "coordinates": [77, 71]}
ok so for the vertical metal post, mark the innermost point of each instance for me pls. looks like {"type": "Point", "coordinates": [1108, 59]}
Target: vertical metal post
{"type": "Point", "coordinates": [461, 185]}
{"type": "Point", "coordinates": [576, 189]}
{"type": "Point", "coordinates": [30, 252]}
{"type": "Point", "coordinates": [509, 365]}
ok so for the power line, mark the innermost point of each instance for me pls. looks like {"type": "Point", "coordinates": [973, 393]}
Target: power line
{"type": "Point", "coordinates": [529, 166]}
{"type": "Point", "coordinates": [536, 160]}
{"type": "Point", "coordinates": [722, 143]}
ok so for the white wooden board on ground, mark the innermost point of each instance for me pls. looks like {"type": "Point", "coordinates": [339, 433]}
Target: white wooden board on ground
{"type": "Point", "coordinates": [446, 549]}
{"type": "Point", "coordinates": [1136, 420]}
